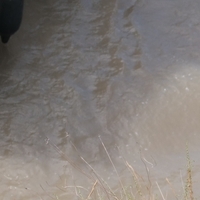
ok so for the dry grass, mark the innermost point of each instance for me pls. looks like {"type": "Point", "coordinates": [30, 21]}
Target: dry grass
{"type": "Point", "coordinates": [138, 190]}
{"type": "Point", "coordinates": [189, 194]}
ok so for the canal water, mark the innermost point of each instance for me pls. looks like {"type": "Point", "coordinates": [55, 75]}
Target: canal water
{"type": "Point", "coordinates": [86, 85]}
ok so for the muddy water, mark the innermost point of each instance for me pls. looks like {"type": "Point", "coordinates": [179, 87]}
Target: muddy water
{"type": "Point", "coordinates": [79, 75]}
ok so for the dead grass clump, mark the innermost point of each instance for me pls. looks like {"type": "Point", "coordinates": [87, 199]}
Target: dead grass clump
{"type": "Point", "coordinates": [138, 190]}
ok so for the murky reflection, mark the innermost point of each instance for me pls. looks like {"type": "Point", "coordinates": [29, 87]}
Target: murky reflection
{"type": "Point", "coordinates": [79, 75]}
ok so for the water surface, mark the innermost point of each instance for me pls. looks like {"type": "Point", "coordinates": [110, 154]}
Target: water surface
{"type": "Point", "coordinates": [82, 74]}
